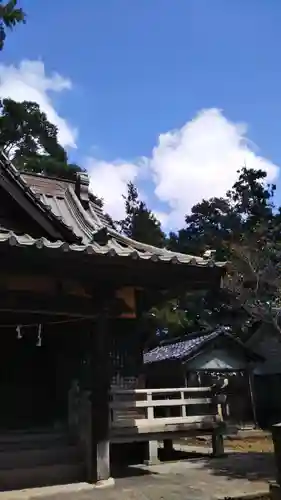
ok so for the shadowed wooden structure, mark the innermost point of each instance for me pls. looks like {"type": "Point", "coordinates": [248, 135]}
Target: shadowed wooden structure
{"type": "Point", "coordinates": [70, 287]}
{"type": "Point", "coordinates": [200, 359]}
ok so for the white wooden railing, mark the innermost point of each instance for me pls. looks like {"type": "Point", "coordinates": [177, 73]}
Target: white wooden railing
{"type": "Point", "coordinates": [164, 409]}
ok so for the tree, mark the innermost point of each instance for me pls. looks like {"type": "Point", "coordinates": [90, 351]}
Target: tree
{"type": "Point", "coordinates": [142, 225]}
{"type": "Point", "coordinates": [10, 16]}
{"type": "Point", "coordinates": [25, 131]}
{"type": "Point", "coordinates": [254, 278]}
{"type": "Point", "coordinates": [237, 227]}
{"type": "Point", "coordinates": [139, 222]}
{"type": "Point", "coordinates": [217, 222]}
{"type": "Point", "coordinates": [243, 228]}
{"type": "Point", "coordinates": [210, 224]}
{"type": "Point", "coordinates": [47, 165]}
{"type": "Point", "coordinates": [31, 141]}
{"type": "Point", "coordinates": [252, 199]}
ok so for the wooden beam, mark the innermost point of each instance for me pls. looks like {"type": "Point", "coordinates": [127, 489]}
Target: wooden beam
{"type": "Point", "coordinates": [128, 295]}
{"type": "Point", "coordinates": [118, 271]}
{"type": "Point", "coordinates": [58, 305]}
{"type": "Point", "coordinates": [45, 283]}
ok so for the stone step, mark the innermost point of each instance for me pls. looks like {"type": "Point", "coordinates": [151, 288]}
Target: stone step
{"type": "Point", "coordinates": [33, 457]}
{"type": "Point", "coordinates": [44, 475]}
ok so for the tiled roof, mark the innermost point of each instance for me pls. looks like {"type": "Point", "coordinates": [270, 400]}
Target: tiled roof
{"type": "Point", "coordinates": [179, 350]}
{"type": "Point", "coordinates": [186, 348]}
{"type": "Point", "coordinates": [111, 249]}
{"type": "Point", "coordinates": [19, 179]}
{"type": "Point", "coordinates": [58, 200]}
{"type": "Point", "coordinates": [60, 196]}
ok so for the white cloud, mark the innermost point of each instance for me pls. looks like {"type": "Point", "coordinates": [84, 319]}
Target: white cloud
{"type": "Point", "coordinates": [199, 160]}
{"type": "Point", "coordinates": [29, 82]}
{"type": "Point", "coordinates": [109, 180]}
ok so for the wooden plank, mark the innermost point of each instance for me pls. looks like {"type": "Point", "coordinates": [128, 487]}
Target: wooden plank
{"type": "Point", "coordinates": [40, 284]}
{"type": "Point", "coordinates": [150, 409]}
{"type": "Point", "coordinates": [159, 403]}
{"type": "Point", "coordinates": [165, 421]}
{"type": "Point", "coordinates": [177, 420]}
{"type": "Point", "coordinates": [161, 391]}
{"type": "Point", "coordinates": [207, 425]}
{"type": "Point", "coordinates": [183, 408]}
{"type": "Point", "coordinates": [130, 436]}
{"type": "Point", "coordinates": [54, 304]}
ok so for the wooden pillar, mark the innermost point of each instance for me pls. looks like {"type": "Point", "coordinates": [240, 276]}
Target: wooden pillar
{"type": "Point", "coordinates": [217, 442]}
{"type": "Point", "coordinates": [100, 392]}
{"type": "Point", "coordinates": [151, 453]}
{"type": "Point", "coordinates": [252, 396]}
{"type": "Point", "coordinates": [275, 487]}
{"type": "Point", "coordinates": [276, 437]}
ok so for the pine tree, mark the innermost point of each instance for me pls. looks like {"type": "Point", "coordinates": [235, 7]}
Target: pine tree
{"type": "Point", "coordinates": [140, 223]}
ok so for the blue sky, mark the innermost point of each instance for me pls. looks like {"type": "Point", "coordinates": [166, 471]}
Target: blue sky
{"type": "Point", "coordinates": [172, 94]}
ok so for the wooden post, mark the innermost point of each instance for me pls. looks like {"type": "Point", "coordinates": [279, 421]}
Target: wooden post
{"type": "Point", "coordinates": [275, 487]}
{"type": "Point", "coordinates": [100, 392]}
{"type": "Point", "coordinates": [276, 437]}
{"type": "Point", "coordinates": [217, 443]}
{"type": "Point", "coordinates": [168, 443]}
{"type": "Point", "coordinates": [217, 434]}
{"type": "Point", "coordinates": [252, 396]}
{"type": "Point", "coordinates": [152, 446]}
{"type": "Point", "coordinates": [152, 453]}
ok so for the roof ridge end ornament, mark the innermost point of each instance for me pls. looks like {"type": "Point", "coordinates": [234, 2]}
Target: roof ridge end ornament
{"type": "Point", "coordinates": [209, 254]}
{"type": "Point", "coordinates": [82, 188]}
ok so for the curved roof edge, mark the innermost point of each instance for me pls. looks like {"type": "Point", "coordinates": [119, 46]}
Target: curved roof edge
{"type": "Point", "coordinates": [58, 197]}
{"type": "Point", "coordinates": [16, 176]}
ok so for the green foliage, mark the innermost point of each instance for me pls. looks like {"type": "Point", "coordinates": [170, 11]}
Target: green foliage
{"type": "Point", "coordinates": [47, 165]}
{"type": "Point", "coordinates": [31, 140]}
{"type": "Point", "coordinates": [210, 224]}
{"type": "Point", "coordinates": [10, 16]}
{"type": "Point", "coordinates": [140, 223]}
{"type": "Point", "coordinates": [244, 229]}
{"type": "Point", "coordinates": [218, 222]}
{"type": "Point", "coordinates": [254, 277]}
{"type": "Point", "coordinates": [242, 220]}
{"type": "Point", "coordinates": [25, 131]}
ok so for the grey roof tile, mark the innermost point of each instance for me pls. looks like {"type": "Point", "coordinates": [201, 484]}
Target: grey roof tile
{"type": "Point", "coordinates": [30, 192]}
{"type": "Point", "coordinates": [110, 249]}
{"type": "Point", "coordinates": [185, 349]}
{"type": "Point", "coordinates": [58, 199]}
{"type": "Point", "coordinates": [179, 350]}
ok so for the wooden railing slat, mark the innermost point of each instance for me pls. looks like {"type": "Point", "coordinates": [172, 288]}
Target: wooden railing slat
{"type": "Point", "coordinates": [158, 403]}
{"type": "Point", "coordinates": [166, 421]}
{"type": "Point", "coordinates": [166, 391]}
{"type": "Point", "coordinates": [128, 410]}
